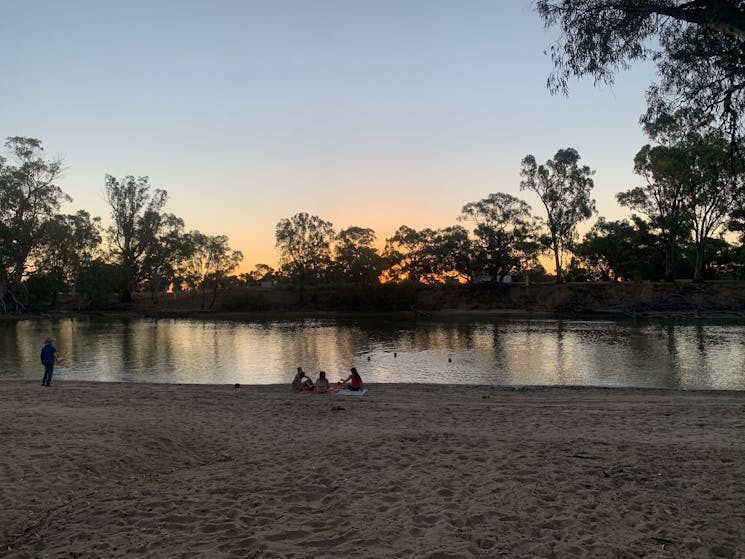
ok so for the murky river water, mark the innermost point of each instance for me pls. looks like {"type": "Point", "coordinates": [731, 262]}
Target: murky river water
{"type": "Point", "coordinates": [498, 352]}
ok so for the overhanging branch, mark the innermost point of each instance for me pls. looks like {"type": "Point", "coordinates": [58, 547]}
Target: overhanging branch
{"type": "Point", "coordinates": [723, 16]}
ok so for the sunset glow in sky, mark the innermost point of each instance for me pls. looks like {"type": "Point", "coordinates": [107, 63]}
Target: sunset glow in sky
{"type": "Point", "coordinates": [375, 113]}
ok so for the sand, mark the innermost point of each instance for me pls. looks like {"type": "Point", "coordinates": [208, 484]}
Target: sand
{"type": "Point", "coordinates": [143, 470]}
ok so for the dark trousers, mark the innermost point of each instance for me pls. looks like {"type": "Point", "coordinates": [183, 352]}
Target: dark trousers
{"type": "Point", "coordinates": [48, 370]}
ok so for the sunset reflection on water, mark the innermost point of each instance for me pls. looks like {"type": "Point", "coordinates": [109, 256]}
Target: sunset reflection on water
{"type": "Point", "coordinates": [490, 352]}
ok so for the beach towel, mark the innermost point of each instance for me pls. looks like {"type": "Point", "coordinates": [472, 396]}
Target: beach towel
{"type": "Point", "coordinates": [347, 392]}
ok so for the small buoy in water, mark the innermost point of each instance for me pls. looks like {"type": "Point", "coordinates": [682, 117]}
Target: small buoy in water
{"type": "Point", "coordinates": [236, 385]}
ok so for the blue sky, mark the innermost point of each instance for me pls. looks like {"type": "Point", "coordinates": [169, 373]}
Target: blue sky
{"type": "Point", "coordinates": [369, 113]}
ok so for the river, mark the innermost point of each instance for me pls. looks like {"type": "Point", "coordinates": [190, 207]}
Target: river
{"type": "Point", "coordinates": [491, 352]}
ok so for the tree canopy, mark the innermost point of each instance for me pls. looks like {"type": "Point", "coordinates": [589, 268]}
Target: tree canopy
{"type": "Point", "coordinates": [304, 244]}
{"type": "Point", "coordinates": [137, 218]}
{"type": "Point", "coordinates": [698, 47]}
{"type": "Point", "coordinates": [29, 198]}
{"type": "Point", "coordinates": [505, 233]}
{"type": "Point", "coordinates": [563, 186]}
{"type": "Point", "coordinates": [693, 190]}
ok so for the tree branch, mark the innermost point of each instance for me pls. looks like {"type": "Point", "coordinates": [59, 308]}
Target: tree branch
{"type": "Point", "coordinates": [723, 16]}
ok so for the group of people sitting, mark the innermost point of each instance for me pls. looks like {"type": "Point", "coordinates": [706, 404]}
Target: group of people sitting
{"type": "Point", "coordinates": [303, 383]}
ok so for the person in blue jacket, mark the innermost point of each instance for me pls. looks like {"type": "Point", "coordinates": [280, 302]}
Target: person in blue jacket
{"type": "Point", "coordinates": [48, 359]}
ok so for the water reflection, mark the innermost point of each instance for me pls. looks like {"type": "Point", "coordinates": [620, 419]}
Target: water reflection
{"type": "Point", "coordinates": [545, 352]}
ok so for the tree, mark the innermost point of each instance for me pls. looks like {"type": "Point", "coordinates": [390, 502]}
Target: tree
{"type": "Point", "coordinates": [612, 250]}
{"type": "Point", "coordinates": [98, 283]}
{"type": "Point", "coordinates": [29, 197]}
{"type": "Point", "coordinates": [719, 260]}
{"type": "Point", "coordinates": [136, 221]}
{"type": "Point", "coordinates": [692, 184]}
{"type": "Point", "coordinates": [221, 262]}
{"type": "Point", "coordinates": [207, 262]}
{"type": "Point", "coordinates": [355, 256]}
{"type": "Point", "coordinates": [163, 254]}
{"type": "Point", "coordinates": [429, 255]}
{"type": "Point", "coordinates": [505, 234]}
{"type": "Point", "coordinates": [713, 193]}
{"type": "Point", "coordinates": [69, 245]}
{"type": "Point", "coordinates": [405, 254]}
{"type": "Point", "coordinates": [663, 198]}
{"type": "Point", "coordinates": [304, 244]}
{"type": "Point", "coordinates": [699, 59]}
{"type": "Point", "coordinates": [450, 255]}
{"type": "Point", "coordinates": [261, 272]}
{"type": "Point", "coordinates": [564, 190]}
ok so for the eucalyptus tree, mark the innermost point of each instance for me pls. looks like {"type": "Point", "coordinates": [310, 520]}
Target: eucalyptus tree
{"type": "Point", "coordinates": [714, 190]}
{"type": "Point", "coordinates": [450, 255]}
{"type": "Point", "coordinates": [697, 46]}
{"type": "Point", "coordinates": [692, 183]}
{"type": "Point", "coordinates": [563, 187]}
{"type": "Point", "coordinates": [663, 197]}
{"type": "Point", "coordinates": [429, 255]}
{"type": "Point", "coordinates": [261, 272]}
{"type": "Point", "coordinates": [355, 257]}
{"type": "Point", "coordinates": [505, 234]}
{"type": "Point", "coordinates": [137, 218]}
{"type": "Point", "coordinates": [613, 250]}
{"type": "Point", "coordinates": [69, 245]}
{"type": "Point", "coordinates": [29, 197]}
{"type": "Point", "coordinates": [721, 260]}
{"type": "Point", "coordinates": [206, 263]}
{"type": "Point", "coordinates": [162, 256]}
{"type": "Point", "coordinates": [405, 254]}
{"type": "Point", "coordinates": [222, 262]}
{"type": "Point", "coordinates": [304, 245]}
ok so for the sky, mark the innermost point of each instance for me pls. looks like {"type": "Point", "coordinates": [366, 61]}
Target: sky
{"type": "Point", "coordinates": [370, 113]}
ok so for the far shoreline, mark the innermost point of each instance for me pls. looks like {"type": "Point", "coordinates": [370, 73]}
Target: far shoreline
{"type": "Point", "coordinates": [569, 301]}
{"type": "Point", "coordinates": [442, 314]}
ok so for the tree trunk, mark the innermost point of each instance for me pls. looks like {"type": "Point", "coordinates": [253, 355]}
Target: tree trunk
{"type": "Point", "coordinates": [557, 260]}
{"type": "Point", "coordinates": [698, 270]}
{"type": "Point", "coordinates": [126, 295]}
{"type": "Point", "coordinates": [155, 288]}
{"type": "Point", "coordinates": [214, 296]}
{"type": "Point", "coordinates": [670, 260]}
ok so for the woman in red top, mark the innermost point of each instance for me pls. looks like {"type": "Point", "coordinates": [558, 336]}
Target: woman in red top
{"type": "Point", "coordinates": [353, 382]}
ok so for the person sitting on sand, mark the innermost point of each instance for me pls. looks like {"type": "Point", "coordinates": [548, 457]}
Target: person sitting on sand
{"type": "Point", "coordinates": [301, 382]}
{"type": "Point", "coordinates": [353, 382]}
{"type": "Point", "coordinates": [322, 384]}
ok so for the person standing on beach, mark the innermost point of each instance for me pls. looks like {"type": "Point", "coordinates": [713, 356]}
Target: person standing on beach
{"type": "Point", "coordinates": [48, 359]}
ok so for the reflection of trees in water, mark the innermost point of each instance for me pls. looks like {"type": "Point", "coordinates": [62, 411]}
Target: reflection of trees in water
{"type": "Point", "coordinates": [672, 378]}
{"type": "Point", "coordinates": [561, 366]}
{"type": "Point", "coordinates": [316, 345]}
{"type": "Point", "coordinates": [484, 352]}
{"type": "Point", "coordinates": [652, 356]}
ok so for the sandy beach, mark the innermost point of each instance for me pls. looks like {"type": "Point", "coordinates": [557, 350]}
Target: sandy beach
{"type": "Point", "coordinates": [143, 470]}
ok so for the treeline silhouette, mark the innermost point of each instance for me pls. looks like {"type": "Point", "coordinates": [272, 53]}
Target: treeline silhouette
{"type": "Point", "coordinates": [691, 196]}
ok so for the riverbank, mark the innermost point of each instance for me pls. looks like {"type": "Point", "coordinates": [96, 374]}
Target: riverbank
{"type": "Point", "coordinates": [125, 470]}
{"type": "Point", "coordinates": [723, 300]}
